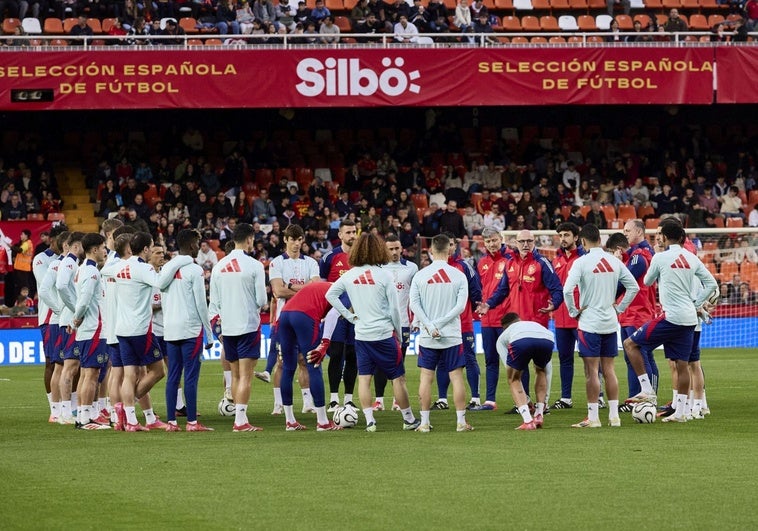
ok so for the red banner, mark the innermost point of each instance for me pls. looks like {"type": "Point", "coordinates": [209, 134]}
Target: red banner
{"type": "Point", "coordinates": [12, 229]}
{"type": "Point", "coordinates": [737, 66]}
{"type": "Point", "coordinates": [131, 78]}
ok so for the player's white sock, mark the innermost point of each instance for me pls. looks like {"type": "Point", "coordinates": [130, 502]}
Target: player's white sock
{"type": "Point", "coordinates": [307, 398]}
{"type": "Point", "coordinates": [78, 412]}
{"type": "Point", "coordinates": [592, 412]}
{"type": "Point", "coordinates": [369, 414]}
{"type": "Point", "coordinates": [66, 408]}
{"type": "Point", "coordinates": [87, 414]}
{"type": "Point", "coordinates": [567, 400]}
{"type": "Point", "coordinates": [407, 414]}
{"type": "Point", "coordinates": [549, 376]}
{"type": "Point", "coordinates": [227, 379]}
{"type": "Point", "coordinates": [50, 402]}
{"type": "Point", "coordinates": [348, 398]}
{"type": "Point", "coordinates": [697, 407]}
{"type": "Point", "coordinates": [380, 399]}
{"type": "Point", "coordinates": [321, 417]}
{"type": "Point", "coordinates": [681, 405]}
{"type": "Point", "coordinates": [613, 409]}
{"type": "Point", "coordinates": [476, 400]}
{"type": "Point", "coordinates": [74, 401]}
{"type": "Point", "coordinates": [107, 402]}
{"type": "Point", "coordinates": [425, 417]}
{"type": "Point", "coordinates": [289, 414]}
{"type": "Point", "coordinates": [442, 400]}
{"type": "Point", "coordinates": [334, 397]}
{"type": "Point", "coordinates": [645, 384]}
{"type": "Point", "coordinates": [131, 415]}
{"type": "Point", "coordinates": [705, 402]}
{"type": "Point", "coordinates": [674, 393]}
{"type": "Point", "coordinates": [102, 404]}
{"type": "Point", "coordinates": [114, 417]}
{"type": "Point", "coordinates": [240, 414]}
{"type": "Point", "coordinates": [539, 408]}
{"type": "Point", "coordinates": [179, 399]}
{"type": "Point", "coordinates": [277, 396]}
{"type": "Point", "coordinates": [55, 409]}
{"type": "Point", "coordinates": [461, 416]}
{"type": "Point", "coordinates": [524, 412]}
{"type": "Point", "coordinates": [149, 416]}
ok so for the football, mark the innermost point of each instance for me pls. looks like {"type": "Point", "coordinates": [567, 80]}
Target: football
{"type": "Point", "coordinates": [714, 297]}
{"type": "Point", "coordinates": [644, 413]}
{"type": "Point", "coordinates": [345, 417]}
{"type": "Point", "coordinates": [226, 408]}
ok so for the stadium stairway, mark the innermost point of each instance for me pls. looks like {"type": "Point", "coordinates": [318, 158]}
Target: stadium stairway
{"type": "Point", "coordinates": [77, 205]}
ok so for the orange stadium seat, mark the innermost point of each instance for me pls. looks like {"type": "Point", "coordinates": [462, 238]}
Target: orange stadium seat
{"type": "Point", "coordinates": [559, 4]}
{"type": "Point", "coordinates": [213, 42]}
{"type": "Point", "coordinates": [95, 25]}
{"type": "Point", "coordinates": [541, 5]}
{"type": "Point", "coordinates": [335, 5]}
{"type": "Point", "coordinates": [574, 40]}
{"type": "Point", "coordinates": [189, 25]}
{"type": "Point", "coordinates": [652, 223]}
{"type": "Point", "coordinates": [504, 4]}
{"type": "Point", "coordinates": [577, 5]}
{"type": "Point", "coordinates": [538, 40]}
{"type": "Point", "coordinates": [718, 221]}
{"type": "Point", "coordinates": [734, 222]}
{"type": "Point", "coordinates": [586, 23]}
{"type": "Point", "coordinates": [627, 212]}
{"type": "Point", "coordinates": [10, 25]}
{"type": "Point", "coordinates": [609, 211]}
{"type": "Point", "coordinates": [56, 216]}
{"type": "Point", "coordinates": [653, 4]}
{"type": "Point", "coordinates": [68, 24]}
{"type": "Point", "coordinates": [672, 4]}
{"type": "Point", "coordinates": [35, 216]}
{"type": "Point", "coordinates": [530, 23]}
{"type": "Point", "coordinates": [420, 200]}
{"type": "Point", "coordinates": [690, 4]}
{"type": "Point", "coordinates": [728, 269]}
{"type": "Point", "coordinates": [645, 211]}
{"type": "Point", "coordinates": [519, 40]}
{"type": "Point", "coordinates": [511, 24]}
{"type": "Point", "coordinates": [343, 23]}
{"type": "Point", "coordinates": [595, 38]}
{"type": "Point", "coordinates": [584, 210]}
{"type": "Point", "coordinates": [625, 22]}
{"type": "Point", "coordinates": [107, 24]}
{"type": "Point", "coordinates": [54, 26]}
{"type": "Point", "coordinates": [549, 23]}
{"type": "Point", "coordinates": [597, 4]}
{"type": "Point", "coordinates": [557, 40]}
{"type": "Point", "coordinates": [59, 42]}
{"type": "Point", "coordinates": [194, 42]}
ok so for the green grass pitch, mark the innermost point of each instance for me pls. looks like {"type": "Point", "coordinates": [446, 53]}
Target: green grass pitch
{"type": "Point", "coordinates": [699, 475]}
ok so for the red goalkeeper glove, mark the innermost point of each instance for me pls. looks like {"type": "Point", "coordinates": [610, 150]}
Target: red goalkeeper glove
{"type": "Point", "coordinates": [317, 355]}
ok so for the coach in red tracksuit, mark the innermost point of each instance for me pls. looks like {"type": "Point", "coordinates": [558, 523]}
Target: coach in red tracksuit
{"type": "Point", "coordinates": [535, 288]}
{"type": "Point", "coordinates": [565, 325]}
{"type": "Point", "coordinates": [495, 288]}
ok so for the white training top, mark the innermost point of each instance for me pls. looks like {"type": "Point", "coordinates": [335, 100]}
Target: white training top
{"type": "Point", "coordinates": [238, 292]}
{"type": "Point", "coordinates": [49, 293]}
{"type": "Point", "coordinates": [90, 295]}
{"type": "Point", "coordinates": [157, 313]}
{"type": "Point", "coordinates": [108, 272]}
{"type": "Point", "coordinates": [677, 268]}
{"type": "Point", "coordinates": [521, 330]}
{"type": "Point", "coordinates": [40, 265]}
{"type": "Point", "coordinates": [295, 271]}
{"type": "Point", "coordinates": [136, 280]}
{"type": "Point", "coordinates": [185, 313]}
{"type": "Point", "coordinates": [64, 283]}
{"type": "Point", "coordinates": [402, 274]}
{"type": "Point", "coordinates": [374, 299]}
{"type": "Point", "coordinates": [597, 274]}
{"type": "Point", "coordinates": [438, 296]}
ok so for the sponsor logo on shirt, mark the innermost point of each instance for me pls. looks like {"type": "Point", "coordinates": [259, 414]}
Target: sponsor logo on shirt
{"type": "Point", "coordinates": [365, 278]}
{"type": "Point", "coordinates": [603, 267]}
{"type": "Point", "coordinates": [440, 277]}
{"type": "Point", "coordinates": [680, 263]}
{"type": "Point", "coordinates": [232, 267]}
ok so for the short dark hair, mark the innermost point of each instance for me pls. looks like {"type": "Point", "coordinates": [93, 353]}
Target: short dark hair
{"type": "Point", "coordinates": [242, 232]}
{"type": "Point", "coordinates": [185, 238]}
{"type": "Point", "coordinates": [590, 232]}
{"type": "Point", "coordinates": [62, 239]}
{"type": "Point", "coordinates": [293, 232]}
{"type": "Point", "coordinates": [391, 237]}
{"type": "Point", "coordinates": [617, 239]}
{"type": "Point", "coordinates": [508, 319]}
{"type": "Point", "coordinates": [75, 237]}
{"type": "Point", "coordinates": [139, 241]}
{"type": "Point", "coordinates": [124, 229]}
{"type": "Point", "coordinates": [121, 243]}
{"type": "Point", "coordinates": [441, 243]}
{"type": "Point", "coordinates": [92, 240]}
{"type": "Point", "coordinates": [673, 232]}
{"type": "Point", "coordinates": [568, 226]}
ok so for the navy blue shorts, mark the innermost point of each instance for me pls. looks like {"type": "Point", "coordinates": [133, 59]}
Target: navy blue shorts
{"type": "Point", "coordinates": [70, 351]}
{"type": "Point", "coordinates": [450, 358]}
{"type": "Point", "coordinates": [695, 354]}
{"type": "Point", "coordinates": [384, 354]}
{"type": "Point", "coordinates": [93, 353]}
{"type": "Point", "coordinates": [162, 345]}
{"type": "Point", "coordinates": [298, 333]}
{"type": "Point", "coordinates": [406, 339]}
{"type": "Point", "coordinates": [676, 339]}
{"type": "Point", "coordinates": [114, 355]}
{"type": "Point", "coordinates": [56, 341]}
{"type": "Point", "coordinates": [246, 346]}
{"type": "Point", "coordinates": [522, 351]}
{"type": "Point", "coordinates": [593, 345]}
{"type": "Point", "coordinates": [139, 350]}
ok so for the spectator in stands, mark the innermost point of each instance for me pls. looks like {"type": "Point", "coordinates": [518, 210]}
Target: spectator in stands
{"type": "Point", "coordinates": [143, 173]}
{"type": "Point", "coordinates": [462, 18]}
{"type": "Point", "coordinates": [320, 12]}
{"type": "Point", "coordinates": [30, 202]}
{"type": "Point", "coordinates": [731, 204]}
{"type": "Point", "coordinates": [666, 202]}
{"type": "Point", "coordinates": [178, 213]}
{"type": "Point", "coordinates": [675, 23]}
{"type": "Point", "coordinates": [494, 218]}
{"type": "Point", "coordinates": [473, 221]}
{"type": "Point", "coordinates": [222, 208]}
{"type": "Point", "coordinates": [624, 4]}
{"type": "Point", "coordinates": [752, 220]}
{"type": "Point", "coordinates": [14, 208]}
{"type": "Point", "coordinates": [709, 202]}
{"type": "Point", "coordinates": [139, 205]}
{"type": "Point", "coordinates": [359, 13]}
{"type": "Point", "coordinates": [621, 194]}
{"type": "Point", "coordinates": [208, 227]}
{"type": "Point", "coordinates": [133, 220]}
{"type": "Point", "coordinates": [131, 190]}
{"type": "Point", "coordinates": [371, 25]}
{"type": "Point", "coordinates": [303, 13]}
{"type": "Point", "coordinates": [692, 209]}
{"type": "Point", "coordinates": [438, 16]}
{"type": "Point", "coordinates": [482, 24]}
{"type": "Point", "coordinates": [477, 8]}
{"type": "Point", "coordinates": [405, 32]}
{"type": "Point", "coordinates": [451, 221]}
{"type": "Point", "coordinates": [285, 16]}
{"type": "Point", "coordinates": [420, 17]}
{"type": "Point", "coordinates": [172, 29]}
{"type": "Point", "coordinates": [744, 252]}
{"type": "Point", "coordinates": [206, 257]}
{"type": "Point", "coordinates": [751, 14]}
{"type": "Point", "coordinates": [81, 29]}
{"type": "Point", "coordinates": [725, 253]}
{"type": "Point", "coordinates": [226, 18]}
{"type": "Point", "coordinates": [199, 208]}
{"type": "Point", "coordinates": [596, 216]}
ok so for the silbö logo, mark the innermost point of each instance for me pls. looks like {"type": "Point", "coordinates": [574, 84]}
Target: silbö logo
{"type": "Point", "coordinates": [345, 77]}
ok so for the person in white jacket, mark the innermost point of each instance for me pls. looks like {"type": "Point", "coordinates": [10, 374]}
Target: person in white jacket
{"type": "Point", "coordinates": [439, 293]}
{"type": "Point", "coordinates": [378, 327]}
{"type": "Point", "coordinates": [462, 18]}
{"type": "Point", "coordinates": [238, 292]}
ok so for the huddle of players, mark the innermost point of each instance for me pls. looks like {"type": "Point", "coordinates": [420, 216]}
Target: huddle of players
{"type": "Point", "coordinates": [101, 303]}
{"type": "Point", "coordinates": [522, 283]}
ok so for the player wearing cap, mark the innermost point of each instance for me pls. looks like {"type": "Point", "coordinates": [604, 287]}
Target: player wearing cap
{"type": "Point", "coordinates": [439, 293]}
{"type": "Point", "coordinates": [187, 329]}
{"type": "Point", "coordinates": [520, 343]}
{"type": "Point", "coordinates": [377, 322]}
{"type": "Point", "coordinates": [675, 269]}
{"type": "Point", "coordinates": [597, 274]}
{"type": "Point", "coordinates": [238, 292]}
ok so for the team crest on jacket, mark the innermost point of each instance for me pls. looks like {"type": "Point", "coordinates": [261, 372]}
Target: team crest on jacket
{"type": "Point", "coordinates": [501, 266]}
{"type": "Point", "coordinates": [101, 358]}
{"type": "Point", "coordinates": [76, 351]}
{"type": "Point", "coordinates": [532, 268]}
{"type": "Point", "coordinates": [157, 353]}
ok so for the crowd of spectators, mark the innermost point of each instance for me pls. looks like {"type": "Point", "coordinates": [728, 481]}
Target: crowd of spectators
{"type": "Point", "coordinates": [136, 22]}
{"type": "Point", "coordinates": [28, 187]}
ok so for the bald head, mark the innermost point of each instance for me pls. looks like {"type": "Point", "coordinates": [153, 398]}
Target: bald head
{"type": "Point", "coordinates": [525, 242]}
{"type": "Point", "coordinates": [634, 230]}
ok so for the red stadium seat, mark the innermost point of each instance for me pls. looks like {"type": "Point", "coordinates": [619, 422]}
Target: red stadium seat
{"type": "Point", "coordinates": [54, 26]}
{"type": "Point", "coordinates": [549, 23]}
